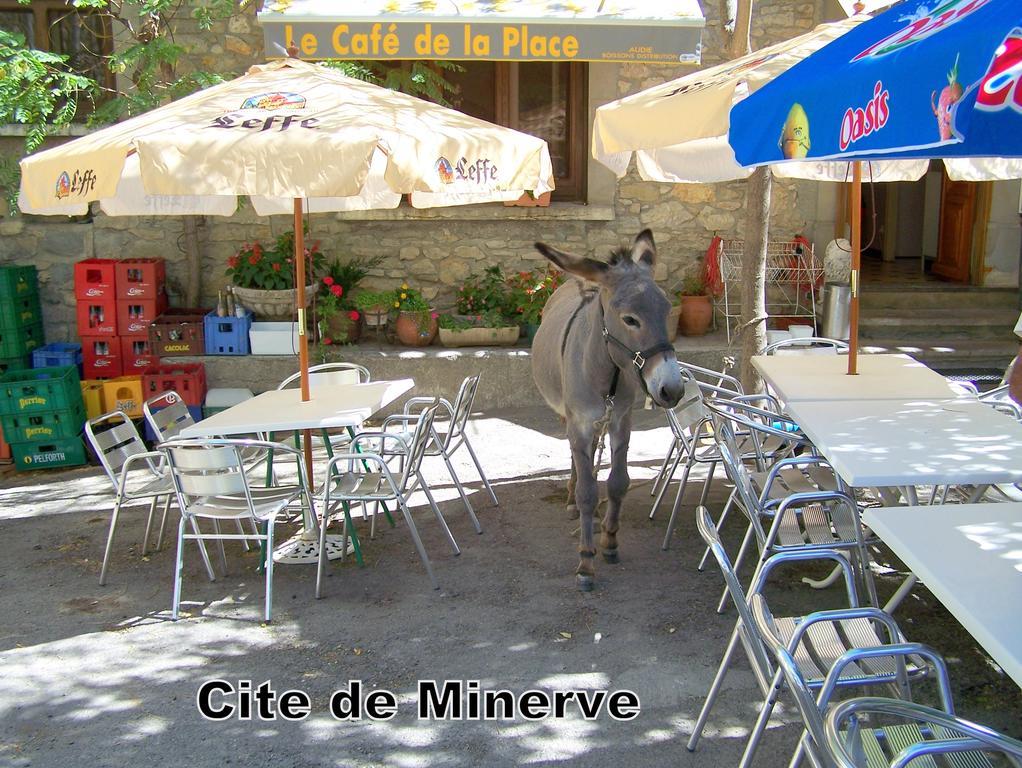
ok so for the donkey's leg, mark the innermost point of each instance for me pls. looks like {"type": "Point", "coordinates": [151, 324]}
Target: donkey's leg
{"type": "Point", "coordinates": [580, 437]}
{"type": "Point", "coordinates": [572, 507]}
{"type": "Point", "coordinates": [617, 483]}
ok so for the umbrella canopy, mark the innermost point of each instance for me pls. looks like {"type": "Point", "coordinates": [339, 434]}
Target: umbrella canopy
{"type": "Point", "coordinates": [679, 130]}
{"type": "Point", "coordinates": [943, 83]}
{"type": "Point", "coordinates": [285, 132]}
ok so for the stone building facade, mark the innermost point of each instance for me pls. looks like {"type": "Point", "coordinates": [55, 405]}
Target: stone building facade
{"type": "Point", "coordinates": [435, 250]}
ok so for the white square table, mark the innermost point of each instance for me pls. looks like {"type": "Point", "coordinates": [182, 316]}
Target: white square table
{"type": "Point", "coordinates": [282, 410]}
{"type": "Point", "coordinates": [825, 377]}
{"type": "Point", "coordinates": [970, 558]}
{"type": "Point", "coordinates": [905, 443]}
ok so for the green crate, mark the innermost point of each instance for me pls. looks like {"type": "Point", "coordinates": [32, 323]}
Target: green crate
{"type": "Point", "coordinates": [62, 452]}
{"type": "Point", "coordinates": [21, 341]}
{"type": "Point", "coordinates": [18, 282]}
{"type": "Point", "coordinates": [17, 313]}
{"type": "Point", "coordinates": [19, 363]}
{"type": "Point", "coordinates": [37, 427]}
{"type": "Point", "coordinates": [40, 390]}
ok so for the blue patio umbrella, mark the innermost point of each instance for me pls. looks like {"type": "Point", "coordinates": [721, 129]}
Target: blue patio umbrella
{"type": "Point", "coordinates": [926, 79]}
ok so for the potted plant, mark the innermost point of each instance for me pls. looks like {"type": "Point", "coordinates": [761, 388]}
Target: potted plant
{"type": "Point", "coordinates": [528, 294]}
{"type": "Point", "coordinates": [696, 306]}
{"type": "Point", "coordinates": [673, 317]}
{"type": "Point", "coordinates": [339, 321]}
{"type": "Point", "coordinates": [485, 293]}
{"type": "Point", "coordinates": [416, 324]}
{"type": "Point", "coordinates": [486, 329]}
{"type": "Point", "coordinates": [264, 278]}
{"type": "Point", "coordinates": [375, 307]}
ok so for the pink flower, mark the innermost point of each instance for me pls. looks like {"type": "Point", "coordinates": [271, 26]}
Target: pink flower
{"type": "Point", "coordinates": [327, 340]}
{"type": "Point", "coordinates": [354, 316]}
{"type": "Point", "coordinates": [328, 280]}
{"type": "Point", "coordinates": [434, 315]}
{"type": "Point", "coordinates": [336, 290]}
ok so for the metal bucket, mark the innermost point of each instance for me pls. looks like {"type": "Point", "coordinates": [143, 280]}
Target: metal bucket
{"type": "Point", "coordinates": [837, 299]}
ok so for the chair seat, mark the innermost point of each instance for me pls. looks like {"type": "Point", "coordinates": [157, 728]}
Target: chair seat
{"type": "Point", "coordinates": [826, 642]}
{"type": "Point", "coordinates": [797, 480]}
{"type": "Point", "coordinates": [146, 485]}
{"type": "Point", "coordinates": [880, 745]}
{"type": "Point", "coordinates": [810, 524]}
{"type": "Point", "coordinates": [267, 503]}
{"type": "Point", "coordinates": [371, 486]}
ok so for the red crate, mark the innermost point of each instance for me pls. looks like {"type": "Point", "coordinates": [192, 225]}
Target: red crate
{"type": "Point", "coordinates": [187, 379]}
{"type": "Point", "coordinates": [136, 354]}
{"type": "Point", "coordinates": [134, 316]}
{"type": "Point", "coordinates": [97, 317]}
{"type": "Point", "coordinates": [95, 279]}
{"type": "Point", "coordinates": [5, 450]}
{"type": "Point", "coordinates": [101, 357]}
{"type": "Point", "coordinates": [179, 331]}
{"type": "Point", "coordinates": [141, 278]}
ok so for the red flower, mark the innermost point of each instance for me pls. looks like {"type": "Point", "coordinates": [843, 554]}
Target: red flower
{"type": "Point", "coordinates": [257, 251]}
{"type": "Point", "coordinates": [328, 280]}
{"type": "Point", "coordinates": [253, 260]}
{"type": "Point", "coordinates": [232, 262]}
{"type": "Point", "coordinates": [276, 266]}
{"type": "Point", "coordinates": [336, 290]}
{"type": "Point", "coordinates": [354, 316]}
{"type": "Point", "coordinates": [327, 340]}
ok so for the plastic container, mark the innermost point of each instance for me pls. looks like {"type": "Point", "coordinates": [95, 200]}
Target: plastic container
{"type": "Point", "coordinates": [274, 338]}
{"type": "Point", "coordinates": [97, 317]}
{"type": "Point", "coordinates": [800, 332]}
{"type": "Point", "coordinates": [17, 282]}
{"type": "Point", "coordinates": [15, 342]}
{"type": "Point", "coordinates": [5, 449]}
{"type": "Point", "coordinates": [17, 363]}
{"type": "Point", "coordinates": [40, 390]}
{"type": "Point", "coordinates": [134, 316]}
{"type": "Point", "coordinates": [95, 279]}
{"type": "Point", "coordinates": [92, 397]}
{"type": "Point", "coordinates": [101, 357]}
{"type": "Point", "coordinates": [124, 394]}
{"type": "Point", "coordinates": [56, 354]}
{"type": "Point", "coordinates": [222, 398]}
{"type": "Point", "coordinates": [837, 303]}
{"type": "Point", "coordinates": [179, 331]}
{"type": "Point", "coordinates": [141, 278]}
{"type": "Point", "coordinates": [187, 379]}
{"type": "Point", "coordinates": [36, 427]}
{"type": "Point", "coordinates": [775, 336]}
{"type": "Point", "coordinates": [227, 335]}
{"type": "Point", "coordinates": [20, 311]}
{"type": "Point", "coordinates": [137, 354]}
{"type": "Point", "coordinates": [63, 452]}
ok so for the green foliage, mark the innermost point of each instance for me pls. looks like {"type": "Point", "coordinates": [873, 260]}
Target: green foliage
{"type": "Point", "coordinates": [406, 299]}
{"type": "Point", "coordinates": [270, 269]}
{"type": "Point", "coordinates": [348, 274]}
{"type": "Point", "coordinates": [693, 285]}
{"type": "Point", "coordinates": [491, 319]}
{"type": "Point", "coordinates": [487, 292]}
{"type": "Point", "coordinates": [528, 293]}
{"type": "Point", "coordinates": [420, 79]}
{"type": "Point", "coordinates": [368, 301]}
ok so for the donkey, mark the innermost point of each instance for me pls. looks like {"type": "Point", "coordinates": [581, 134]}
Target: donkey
{"type": "Point", "coordinates": [596, 348]}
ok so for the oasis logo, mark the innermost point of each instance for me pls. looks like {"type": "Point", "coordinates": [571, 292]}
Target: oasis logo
{"type": "Point", "coordinates": [80, 183]}
{"type": "Point", "coordinates": [922, 25]}
{"type": "Point", "coordinates": [1001, 87]}
{"type": "Point", "coordinates": [482, 171]}
{"type": "Point", "coordinates": [275, 100]}
{"type": "Point", "coordinates": [858, 123]}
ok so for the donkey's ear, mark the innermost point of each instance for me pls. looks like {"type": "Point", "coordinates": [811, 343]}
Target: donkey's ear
{"type": "Point", "coordinates": [644, 249]}
{"type": "Point", "coordinates": [586, 268]}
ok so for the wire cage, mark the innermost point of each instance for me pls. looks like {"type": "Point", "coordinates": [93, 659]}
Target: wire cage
{"type": "Point", "coordinates": [793, 275]}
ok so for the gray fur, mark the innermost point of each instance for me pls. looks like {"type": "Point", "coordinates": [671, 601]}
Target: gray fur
{"type": "Point", "coordinates": [574, 373]}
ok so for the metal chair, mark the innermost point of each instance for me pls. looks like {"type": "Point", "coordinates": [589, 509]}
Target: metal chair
{"type": "Point", "coordinates": [448, 440]}
{"type": "Point", "coordinates": [210, 482]}
{"type": "Point", "coordinates": [813, 344]}
{"type": "Point", "coordinates": [853, 736]}
{"type": "Point", "coordinates": [817, 641]}
{"type": "Point", "coordinates": [368, 479]}
{"type": "Point", "coordinates": [135, 473]}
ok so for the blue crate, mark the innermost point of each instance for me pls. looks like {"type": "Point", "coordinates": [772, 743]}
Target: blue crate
{"type": "Point", "coordinates": [57, 354]}
{"type": "Point", "coordinates": [227, 335]}
{"type": "Point", "coordinates": [150, 434]}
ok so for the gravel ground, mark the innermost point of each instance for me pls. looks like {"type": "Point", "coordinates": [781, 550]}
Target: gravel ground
{"type": "Point", "coordinates": [100, 676]}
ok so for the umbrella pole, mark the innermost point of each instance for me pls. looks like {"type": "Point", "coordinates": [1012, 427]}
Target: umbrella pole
{"type": "Point", "coordinates": [853, 311]}
{"type": "Point", "coordinates": [303, 339]}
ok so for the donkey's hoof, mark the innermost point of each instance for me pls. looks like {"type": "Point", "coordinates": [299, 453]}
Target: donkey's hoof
{"type": "Point", "coordinates": [572, 512]}
{"type": "Point", "coordinates": [610, 556]}
{"type": "Point", "coordinates": [584, 582]}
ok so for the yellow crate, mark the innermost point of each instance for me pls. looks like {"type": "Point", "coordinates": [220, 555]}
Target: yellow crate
{"type": "Point", "coordinates": [124, 394]}
{"type": "Point", "coordinates": [92, 394]}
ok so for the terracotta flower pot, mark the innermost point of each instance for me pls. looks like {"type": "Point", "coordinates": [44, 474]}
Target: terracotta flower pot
{"type": "Point", "coordinates": [415, 329]}
{"type": "Point", "coordinates": [274, 305]}
{"type": "Point", "coordinates": [340, 329]}
{"type": "Point", "coordinates": [673, 320]}
{"type": "Point", "coordinates": [696, 314]}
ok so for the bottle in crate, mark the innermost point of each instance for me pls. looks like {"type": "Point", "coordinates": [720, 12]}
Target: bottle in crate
{"type": "Point", "coordinates": [101, 357]}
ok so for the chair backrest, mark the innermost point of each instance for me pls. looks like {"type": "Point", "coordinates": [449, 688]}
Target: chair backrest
{"type": "Point", "coordinates": [114, 440]}
{"type": "Point", "coordinates": [419, 441]}
{"type": "Point", "coordinates": [203, 468]}
{"type": "Point", "coordinates": [811, 344]}
{"type": "Point", "coordinates": [462, 407]}
{"type": "Point", "coordinates": [737, 472]}
{"type": "Point", "coordinates": [330, 374]}
{"type": "Point", "coordinates": [709, 376]}
{"type": "Point", "coordinates": [690, 412]}
{"type": "Point", "coordinates": [167, 414]}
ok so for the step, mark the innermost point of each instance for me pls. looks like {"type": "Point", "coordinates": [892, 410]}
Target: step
{"type": "Point", "coordinates": [951, 353]}
{"type": "Point", "coordinates": [950, 297]}
{"type": "Point", "coordinates": [994, 323]}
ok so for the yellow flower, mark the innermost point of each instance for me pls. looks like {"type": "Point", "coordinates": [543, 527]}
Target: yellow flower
{"type": "Point", "coordinates": [397, 304]}
{"type": "Point", "coordinates": [404, 287]}
{"type": "Point", "coordinates": [404, 295]}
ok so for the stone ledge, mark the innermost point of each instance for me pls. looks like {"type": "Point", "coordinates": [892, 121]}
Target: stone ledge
{"type": "Point", "coordinates": [74, 129]}
{"type": "Point", "coordinates": [553, 212]}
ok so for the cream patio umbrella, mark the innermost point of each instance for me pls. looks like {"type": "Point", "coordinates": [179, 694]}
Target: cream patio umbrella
{"type": "Point", "coordinates": [287, 132]}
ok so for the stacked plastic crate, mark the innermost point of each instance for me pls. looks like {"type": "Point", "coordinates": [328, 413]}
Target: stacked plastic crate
{"type": "Point", "coordinates": [42, 414]}
{"type": "Point", "coordinates": [117, 301]}
{"type": "Point", "coordinates": [21, 326]}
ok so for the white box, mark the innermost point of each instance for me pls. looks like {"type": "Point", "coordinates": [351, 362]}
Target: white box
{"type": "Point", "coordinates": [273, 338]}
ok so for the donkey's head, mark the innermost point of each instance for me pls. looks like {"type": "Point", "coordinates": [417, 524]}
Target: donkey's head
{"type": "Point", "coordinates": [635, 313]}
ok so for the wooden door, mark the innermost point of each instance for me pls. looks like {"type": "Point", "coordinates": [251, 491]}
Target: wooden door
{"type": "Point", "coordinates": [957, 220]}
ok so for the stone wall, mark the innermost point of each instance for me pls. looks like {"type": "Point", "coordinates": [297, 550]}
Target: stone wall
{"type": "Point", "coordinates": [433, 250]}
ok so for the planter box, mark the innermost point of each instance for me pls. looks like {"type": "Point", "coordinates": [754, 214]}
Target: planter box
{"type": "Point", "coordinates": [65, 452]}
{"type": "Point", "coordinates": [140, 278]}
{"type": "Point", "coordinates": [178, 331]}
{"type": "Point", "coordinates": [274, 338]}
{"type": "Point", "coordinates": [95, 279]}
{"type": "Point", "coordinates": [480, 337]}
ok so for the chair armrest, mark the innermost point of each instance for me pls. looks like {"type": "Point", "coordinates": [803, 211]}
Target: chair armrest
{"type": "Point", "coordinates": [148, 457]}
{"type": "Point", "coordinates": [421, 400]}
{"type": "Point", "coordinates": [844, 614]}
{"type": "Point", "coordinates": [382, 436]}
{"type": "Point", "coordinates": [351, 458]}
{"type": "Point", "coordinates": [792, 461]}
